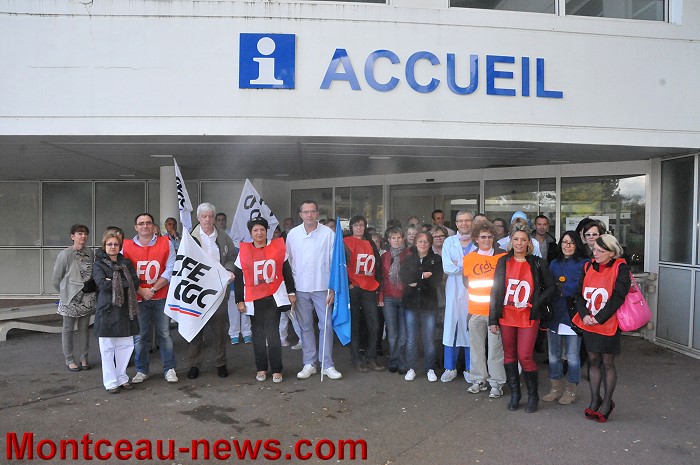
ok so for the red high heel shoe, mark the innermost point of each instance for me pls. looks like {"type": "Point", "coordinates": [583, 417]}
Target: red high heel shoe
{"type": "Point", "coordinates": [600, 418]}
{"type": "Point", "coordinates": [590, 413]}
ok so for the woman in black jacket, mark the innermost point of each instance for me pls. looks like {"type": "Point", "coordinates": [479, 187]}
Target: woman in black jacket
{"type": "Point", "coordinates": [421, 272]}
{"type": "Point", "coordinates": [522, 286]}
{"type": "Point", "coordinates": [116, 319]}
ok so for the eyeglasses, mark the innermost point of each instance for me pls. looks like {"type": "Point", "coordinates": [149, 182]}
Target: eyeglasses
{"type": "Point", "coordinates": [309, 212]}
{"type": "Point", "coordinates": [596, 250]}
{"type": "Point", "coordinates": [485, 237]}
{"type": "Point", "coordinates": [144, 223]}
{"type": "Point", "coordinates": [112, 244]}
{"type": "Point", "coordinates": [592, 234]}
{"type": "Point", "coordinates": [439, 236]}
{"type": "Point", "coordinates": [567, 243]}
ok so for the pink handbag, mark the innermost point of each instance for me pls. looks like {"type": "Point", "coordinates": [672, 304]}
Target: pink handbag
{"type": "Point", "coordinates": [635, 312]}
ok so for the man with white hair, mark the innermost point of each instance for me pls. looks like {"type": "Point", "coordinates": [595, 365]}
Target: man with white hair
{"type": "Point", "coordinates": [219, 246]}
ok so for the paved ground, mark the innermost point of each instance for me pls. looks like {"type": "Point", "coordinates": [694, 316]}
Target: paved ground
{"type": "Point", "coordinates": [657, 419]}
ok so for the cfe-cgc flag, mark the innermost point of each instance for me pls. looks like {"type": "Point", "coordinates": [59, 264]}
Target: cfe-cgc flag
{"type": "Point", "coordinates": [250, 206]}
{"type": "Point", "coordinates": [183, 199]}
{"type": "Point", "coordinates": [197, 287]}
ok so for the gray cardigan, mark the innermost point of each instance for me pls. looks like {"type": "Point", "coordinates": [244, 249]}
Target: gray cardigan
{"type": "Point", "coordinates": [66, 275]}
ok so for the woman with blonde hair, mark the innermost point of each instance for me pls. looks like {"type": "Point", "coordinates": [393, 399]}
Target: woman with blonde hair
{"type": "Point", "coordinates": [605, 284]}
{"type": "Point", "coordinates": [522, 286]}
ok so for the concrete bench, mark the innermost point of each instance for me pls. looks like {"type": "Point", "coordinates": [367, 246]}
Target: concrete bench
{"type": "Point", "coordinates": [16, 318]}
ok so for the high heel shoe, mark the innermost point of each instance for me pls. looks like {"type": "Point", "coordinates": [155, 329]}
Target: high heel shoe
{"type": "Point", "coordinates": [590, 413]}
{"type": "Point", "coordinates": [600, 418]}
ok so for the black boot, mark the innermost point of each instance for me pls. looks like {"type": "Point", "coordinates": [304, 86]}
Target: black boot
{"type": "Point", "coordinates": [513, 381]}
{"type": "Point", "coordinates": [533, 397]}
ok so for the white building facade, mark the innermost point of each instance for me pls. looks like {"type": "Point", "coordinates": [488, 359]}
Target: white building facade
{"type": "Point", "coordinates": [567, 108]}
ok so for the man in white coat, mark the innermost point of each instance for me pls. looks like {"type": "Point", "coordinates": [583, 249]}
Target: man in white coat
{"type": "Point", "coordinates": [455, 334]}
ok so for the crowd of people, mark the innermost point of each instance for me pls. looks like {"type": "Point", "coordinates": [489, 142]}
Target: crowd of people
{"type": "Point", "coordinates": [487, 290]}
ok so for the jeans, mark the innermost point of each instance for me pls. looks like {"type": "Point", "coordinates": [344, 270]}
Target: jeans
{"type": "Point", "coordinates": [83, 337]}
{"type": "Point", "coordinates": [572, 344]}
{"type": "Point", "coordinates": [426, 320]}
{"type": "Point", "coordinates": [395, 332]}
{"type": "Point", "coordinates": [152, 311]}
{"type": "Point", "coordinates": [363, 304]}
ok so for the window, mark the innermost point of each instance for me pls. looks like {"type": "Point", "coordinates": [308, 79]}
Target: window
{"type": "Point", "coordinates": [677, 210]}
{"type": "Point", "coordinates": [420, 200]}
{"type": "Point", "coordinates": [534, 6]}
{"type": "Point", "coordinates": [117, 204]}
{"type": "Point", "coordinates": [651, 10]}
{"type": "Point", "coordinates": [530, 196]}
{"type": "Point", "coordinates": [322, 196]}
{"type": "Point", "coordinates": [20, 206]}
{"type": "Point", "coordinates": [366, 201]}
{"type": "Point", "coordinates": [619, 202]}
{"type": "Point", "coordinates": [65, 204]}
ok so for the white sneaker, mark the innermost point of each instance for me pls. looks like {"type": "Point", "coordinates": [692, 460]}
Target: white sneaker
{"type": "Point", "coordinates": [467, 376]}
{"type": "Point", "coordinates": [332, 373]}
{"type": "Point", "coordinates": [307, 371]}
{"type": "Point", "coordinates": [284, 342]}
{"type": "Point", "coordinates": [448, 376]}
{"type": "Point", "coordinates": [410, 375]}
{"type": "Point", "coordinates": [496, 392]}
{"type": "Point", "coordinates": [477, 388]}
{"type": "Point", "coordinates": [171, 376]}
{"type": "Point", "coordinates": [139, 378]}
{"type": "Point", "coordinates": [296, 346]}
{"type": "Point", "coordinates": [432, 377]}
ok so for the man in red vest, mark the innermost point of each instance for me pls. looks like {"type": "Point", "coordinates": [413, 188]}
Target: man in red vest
{"type": "Point", "coordinates": [153, 257]}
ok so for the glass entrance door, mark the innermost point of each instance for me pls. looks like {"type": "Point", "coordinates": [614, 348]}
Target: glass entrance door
{"type": "Point", "coordinates": [421, 200]}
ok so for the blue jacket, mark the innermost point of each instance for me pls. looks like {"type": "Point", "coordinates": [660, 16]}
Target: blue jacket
{"type": "Point", "coordinates": [572, 272]}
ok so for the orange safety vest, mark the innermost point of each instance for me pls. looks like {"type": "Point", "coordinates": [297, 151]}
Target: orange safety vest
{"type": "Point", "coordinates": [262, 268]}
{"type": "Point", "coordinates": [519, 288]}
{"type": "Point", "coordinates": [362, 264]}
{"type": "Point", "coordinates": [150, 262]}
{"type": "Point", "coordinates": [597, 289]}
{"type": "Point", "coordinates": [479, 269]}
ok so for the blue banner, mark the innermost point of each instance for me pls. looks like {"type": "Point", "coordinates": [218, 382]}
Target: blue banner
{"type": "Point", "coordinates": [339, 284]}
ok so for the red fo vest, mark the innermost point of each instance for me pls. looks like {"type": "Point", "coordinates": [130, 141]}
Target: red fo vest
{"type": "Point", "coordinates": [519, 287]}
{"type": "Point", "coordinates": [262, 268]}
{"type": "Point", "coordinates": [149, 262]}
{"type": "Point", "coordinates": [361, 268]}
{"type": "Point", "coordinates": [480, 270]}
{"type": "Point", "coordinates": [597, 289]}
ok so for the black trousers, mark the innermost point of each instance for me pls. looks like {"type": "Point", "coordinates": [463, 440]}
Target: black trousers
{"type": "Point", "coordinates": [363, 306]}
{"type": "Point", "coordinates": [265, 325]}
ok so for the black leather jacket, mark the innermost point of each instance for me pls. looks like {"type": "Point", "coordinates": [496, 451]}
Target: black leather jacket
{"type": "Point", "coordinates": [544, 287]}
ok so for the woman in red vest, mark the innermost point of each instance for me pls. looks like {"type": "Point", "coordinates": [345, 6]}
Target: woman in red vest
{"type": "Point", "coordinates": [364, 274]}
{"type": "Point", "coordinates": [522, 285]}
{"type": "Point", "coordinates": [264, 287]}
{"type": "Point", "coordinates": [602, 291]}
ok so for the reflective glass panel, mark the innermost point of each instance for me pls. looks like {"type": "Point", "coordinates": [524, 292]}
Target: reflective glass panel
{"type": "Point", "coordinates": [63, 205]}
{"type": "Point", "coordinates": [20, 272]}
{"type": "Point", "coordinates": [367, 201]}
{"type": "Point", "coordinates": [117, 204]}
{"type": "Point", "coordinates": [618, 201]}
{"type": "Point", "coordinates": [224, 195]}
{"type": "Point", "coordinates": [651, 10]}
{"type": "Point", "coordinates": [674, 304]}
{"type": "Point", "coordinates": [677, 210]}
{"type": "Point", "coordinates": [534, 6]}
{"type": "Point", "coordinates": [530, 196]}
{"type": "Point", "coordinates": [421, 199]}
{"type": "Point", "coordinates": [49, 256]}
{"type": "Point", "coordinates": [20, 207]}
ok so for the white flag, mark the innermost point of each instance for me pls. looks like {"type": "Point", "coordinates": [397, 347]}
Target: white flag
{"type": "Point", "coordinates": [250, 206]}
{"type": "Point", "coordinates": [197, 287]}
{"type": "Point", "coordinates": [183, 199]}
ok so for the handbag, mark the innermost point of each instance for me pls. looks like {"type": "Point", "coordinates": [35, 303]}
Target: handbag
{"type": "Point", "coordinates": [634, 312]}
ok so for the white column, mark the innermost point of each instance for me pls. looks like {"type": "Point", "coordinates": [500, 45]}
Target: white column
{"type": "Point", "coordinates": [168, 196]}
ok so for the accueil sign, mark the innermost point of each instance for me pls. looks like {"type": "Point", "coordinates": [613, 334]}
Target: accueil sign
{"type": "Point", "coordinates": [268, 61]}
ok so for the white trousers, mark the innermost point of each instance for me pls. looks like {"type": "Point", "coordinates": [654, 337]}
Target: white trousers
{"type": "Point", "coordinates": [239, 323]}
{"type": "Point", "coordinates": [115, 353]}
{"type": "Point", "coordinates": [285, 318]}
